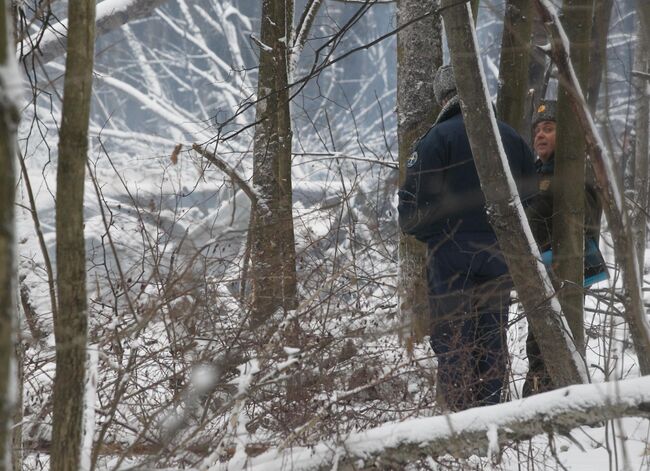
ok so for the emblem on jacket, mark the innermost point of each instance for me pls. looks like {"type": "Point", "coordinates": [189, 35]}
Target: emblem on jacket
{"type": "Point", "coordinates": [545, 184]}
{"type": "Point", "coordinates": [412, 159]}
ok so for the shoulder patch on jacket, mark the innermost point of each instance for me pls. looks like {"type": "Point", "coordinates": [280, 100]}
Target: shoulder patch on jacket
{"type": "Point", "coordinates": [412, 160]}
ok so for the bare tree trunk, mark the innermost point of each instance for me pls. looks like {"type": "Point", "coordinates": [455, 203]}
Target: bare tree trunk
{"type": "Point", "coordinates": [569, 178]}
{"type": "Point", "coordinates": [9, 89]}
{"type": "Point", "coordinates": [504, 207]}
{"type": "Point", "coordinates": [475, 5]}
{"type": "Point", "coordinates": [607, 179]}
{"type": "Point", "coordinates": [513, 66]}
{"type": "Point", "coordinates": [70, 325]}
{"type": "Point", "coordinates": [273, 256]}
{"type": "Point", "coordinates": [643, 9]}
{"type": "Point", "coordinates": [641, 86]}
{"type": "Point", "coordinates": [419, 54]}
{"type": "Point", "coordinates": [598, 55]}
{"type": "Point", "coordinates": [17, 432]}
{"type": "Point", "coordinates": [538, 75]}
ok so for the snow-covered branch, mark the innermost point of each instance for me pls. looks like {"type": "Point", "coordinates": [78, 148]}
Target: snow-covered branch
{"type": "Point", "coordinates": [304, 26]}
{"type": "Point", "coordinates": [111, 14]}
{"type": "Point", "coordinates": [473, 431]}
{"type": "Point", "coordinates": [224, 167]}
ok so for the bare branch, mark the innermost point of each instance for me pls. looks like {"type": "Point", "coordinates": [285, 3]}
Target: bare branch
{"type": "Point", "coordinates": [111, 15]}
{"type": "Point", "coordinates": [228, 170]}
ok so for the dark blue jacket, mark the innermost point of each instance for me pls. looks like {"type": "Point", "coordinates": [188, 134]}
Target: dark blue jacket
{"type": "Point", "coordinates": [442, 192]}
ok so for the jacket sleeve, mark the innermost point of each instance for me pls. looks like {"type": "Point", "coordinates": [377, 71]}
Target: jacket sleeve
{"type": "Point", "coordinates": [528, 186]}
{"type": "Point", "coordinates": [420, 195]}
{"type": "Point", "coordinates": [540, 217]}
{"type": "Point", "coordinates": [593, 208]}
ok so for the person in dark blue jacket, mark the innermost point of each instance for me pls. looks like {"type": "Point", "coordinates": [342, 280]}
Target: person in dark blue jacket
{"type": "Point", "coordinates": [441, 203]}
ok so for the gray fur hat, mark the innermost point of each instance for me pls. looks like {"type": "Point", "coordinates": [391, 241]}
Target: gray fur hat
{"type": "Point", "coordinates": [444, 83]}
{"type": "Point", "coordinates": [546, 111]}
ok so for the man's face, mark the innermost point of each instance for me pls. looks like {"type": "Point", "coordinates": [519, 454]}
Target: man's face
{"type": "Point", "coordinates": [544, 139]}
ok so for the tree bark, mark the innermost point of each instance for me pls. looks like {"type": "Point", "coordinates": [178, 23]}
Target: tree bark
{"type": "Point", "coordinates": [419, 54]}
{"type": "Point", "coordinates": [513, 65]}
{"type": "Point", "coordinates": [273, 252]}
{"type": "Point", "coordinates": [70, 324]}
{"type": "Point", "coordinates": [9, 89]}
{"type": "Point", "coordinates": [607, 179]}
{"type": "Point", "coordinates": [475, 5]}
{"type": "Point", "coordinates": [538, 75]}
{"type": "Point", "coordinates": [569, 178]}
{"type": "Point", "coordinates": [506, 213]}
{"type": "Point", "coordinates": [598, 55]}
{"type": "Point", "coordinates": [394, 446]}
{"type": "Point", "coordinates": [17, 432]}
{"type": "Point", "coordinates": [642, 99]}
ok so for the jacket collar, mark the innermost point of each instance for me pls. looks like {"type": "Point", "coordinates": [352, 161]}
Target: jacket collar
{"type": "Point", "coordinates": [545, 167]}
{"type": "Point", "coordinates": [451, 108]}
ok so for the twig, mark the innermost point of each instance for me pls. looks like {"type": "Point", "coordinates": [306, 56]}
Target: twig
{"type": "Point", "coordinates": [228, 170]}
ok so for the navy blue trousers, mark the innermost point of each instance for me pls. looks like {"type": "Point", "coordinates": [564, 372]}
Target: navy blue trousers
{"type": "Point", "coordinates": [469, 296]}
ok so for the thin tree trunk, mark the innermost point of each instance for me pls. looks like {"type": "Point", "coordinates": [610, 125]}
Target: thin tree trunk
{"type": "Point", "coordinates": [643, 9]}
{"type": "Point", "coordinates": [569, 178]}
{"type": "Point", "coordinates": [273, 253]}
{"type": "Point", "coordinates": [9, 89]}
{"type": "Point", "coordinates": [513, 66]}
{"type": "Point", "coordinates": [70, 325]}
{"type": "Point", "coordinates": [475, 5]}
{"type": "Point", "coordinates": [598, 59]}
{"type": "Point", "coordinates": [8, 125]}
{"type": "Point", "coordinates": [641, 86]}
{"type": "Point", "coordinates": [504, 207]}
{"type": "Point", "coordinates": [419, 54]}
{"type": "Point", "coordinates": [607, 179]}
{"type": "Point", "coordinates": [538, 71]}
{"type": "Point", "coordinates": [17, 432]}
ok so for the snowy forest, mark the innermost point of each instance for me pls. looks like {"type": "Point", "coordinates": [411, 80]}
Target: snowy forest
{"type": "Point", "coordinates": [201, 266]}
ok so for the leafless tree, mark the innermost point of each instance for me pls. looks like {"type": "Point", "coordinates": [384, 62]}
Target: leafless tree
{"type": "Point", "coordinates": [607, 178]}
{"type": "Point", "coordinates": [569, 177]}
{"type": "Point", "coordinates": [70, 325]}
{"type": "Point", "coordinates": [419, 54]}
{"type": "Point", "coordinates": [273, 253]}
{"type": "Point", "coordinates": [641, 83]}
{"type": "Point", "coordinates": [514, 64]}
{"type": "Point", "coordinates": [9, 86]}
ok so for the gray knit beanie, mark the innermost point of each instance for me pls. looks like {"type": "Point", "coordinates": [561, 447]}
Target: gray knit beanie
{"type": "Point", "coordinates": [444, 84]}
